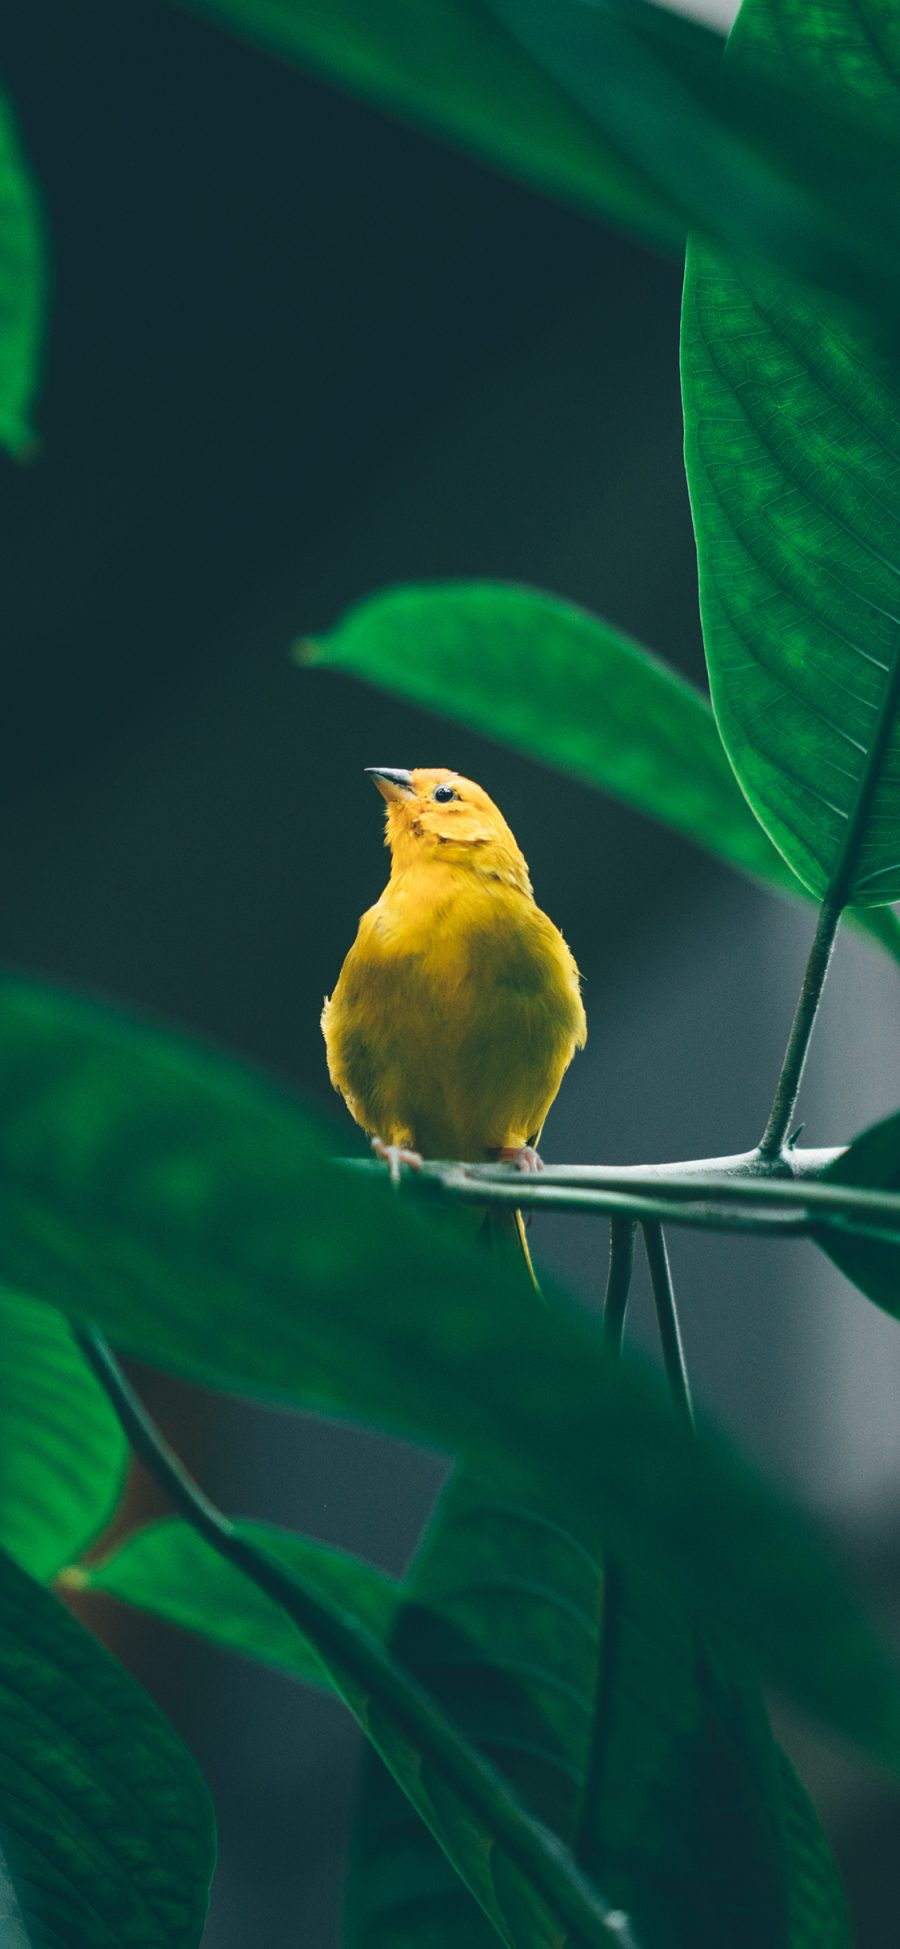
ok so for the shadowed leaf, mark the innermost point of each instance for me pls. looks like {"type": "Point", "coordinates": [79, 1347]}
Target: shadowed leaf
{"type": "Point", "coordinates": [62, 1452]}
{"type": "Point", "coordinates": [106, 1830]}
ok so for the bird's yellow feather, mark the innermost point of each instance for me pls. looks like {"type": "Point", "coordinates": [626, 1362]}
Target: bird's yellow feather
{"type": "Point", "coordinates": [458, 1008]}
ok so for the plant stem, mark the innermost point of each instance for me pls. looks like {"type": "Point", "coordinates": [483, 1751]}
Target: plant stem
{"type": "Point", "coordinates": [609, 1593]}
{"type": "Point", "coordinates": [618, 1282]}
{"type": "Point", "coordinates": [347, 1648]}
{"type": "Point", "coordinates": [788, 1087]}
{"type": "Point", "coordinates": [667, 1319]}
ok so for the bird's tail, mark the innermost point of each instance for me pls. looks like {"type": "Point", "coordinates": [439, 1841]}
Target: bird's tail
{"type": "Point", "coordinates": [503, 1230]}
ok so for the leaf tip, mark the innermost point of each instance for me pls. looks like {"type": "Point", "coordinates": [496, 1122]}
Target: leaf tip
{"type": "Point", "coordinates": [306, 651]}
{"type": "Point", "coordinates": [73, 1578]}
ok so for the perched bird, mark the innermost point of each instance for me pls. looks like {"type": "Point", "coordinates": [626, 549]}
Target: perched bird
{"type": "Point", "coordinates": [458, 1008]}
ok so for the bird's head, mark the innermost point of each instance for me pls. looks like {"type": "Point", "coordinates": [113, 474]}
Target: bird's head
{"type": "Point", "coordinates": [437, 816]}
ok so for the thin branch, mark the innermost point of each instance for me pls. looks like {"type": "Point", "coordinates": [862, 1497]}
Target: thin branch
{"type": "Point", "coordinates": [352, 1649]}
{"type": "Point", "coordinates": [787, 1090]}
{"type": "Point", "coordinates": [618, 1283]}
{"type": "Point", "coordinates": [667, 1319]}
{"type": "Point", "coordinates": [786, 1205]}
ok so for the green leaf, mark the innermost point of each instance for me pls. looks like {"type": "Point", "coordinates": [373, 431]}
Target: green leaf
{"type": "Point", "coordinates": [547, 678]}
{"type": "Point", "coordinates": [593, 1696]}
{"type": "Point", "coordinates": [106, 1828]}
{"type": "Point", "coordinates": [189, 1212]}
{"type": "Point", "coordinates": [22, 280]}
{"type": "Point", "coordinates": [622, 109]}
{"type": "Point", "coordinates": [792, 418]}
{"type": "Point", "coordinates": [167, 1569]}
{"type": "Point", "coordinates": [471, 1579]}
{"type": "Point", "coordinates": [62, 1453]}
{"type": "Point", "coordinates": [447, 64]}
{"type": "Point", "coordinates": [871, 1162]}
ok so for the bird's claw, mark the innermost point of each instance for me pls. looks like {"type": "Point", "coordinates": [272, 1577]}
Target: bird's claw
{"type": "Point", "coordinates": [395, 1156]}
{"type": "Point", "coordinates": [523, 1156]}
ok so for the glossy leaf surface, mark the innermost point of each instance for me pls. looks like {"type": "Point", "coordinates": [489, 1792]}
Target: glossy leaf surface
{"type": "Point", "coordinates": [167, 1569]}
{"type": "Point", "coordinates": [62, 1452]}
{"type": "Point", "coordinates": [555, 682]}
{"type": "Point", "coordinates": [106, 1829]}
{"type": "Point", "coordinates": [872, 1161]}
{"type": "Point", "coordinates": [189, 1212]}
{"type": "Point", "coordinates": [792, 417]}
{"type": "Point", "coordinates": [22, 279]}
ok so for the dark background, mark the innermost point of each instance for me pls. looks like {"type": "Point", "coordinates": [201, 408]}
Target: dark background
{"type": "Point", "coordinates": [298, 352]}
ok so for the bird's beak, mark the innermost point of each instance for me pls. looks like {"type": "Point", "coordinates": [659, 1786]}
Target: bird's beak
{"type": "Point", "coordinates": [391, 784]}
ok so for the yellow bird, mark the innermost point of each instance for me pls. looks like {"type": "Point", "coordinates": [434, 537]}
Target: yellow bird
{"type": "Point", "coordinates": [458, 1008]}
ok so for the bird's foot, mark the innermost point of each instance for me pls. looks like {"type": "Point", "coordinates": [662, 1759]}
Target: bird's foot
{"type": "Point", "coordinates": [523, 1156]}
{"type": "Point", "coordinates": [395, 1156]}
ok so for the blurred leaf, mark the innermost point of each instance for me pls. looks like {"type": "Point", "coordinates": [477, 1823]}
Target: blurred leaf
{"type": "Point", "coordinates": [606, 1721]}
{"type": "Point", "coordinates": [622, 108]}
{"type": "Point", "coordinates": [190, 1213]}
{"type": "Point", "coordinates": [819, 1917]}
{"type": "Point", "coordinates": [872, 1161]}
{"type": "Point", "coordinates": [449, 65]}
{"type": "Point", "coordinates": [22, 280]}
{"type": "Point", "coordinates": [167, 1569]}
{"type": "Point", "coordinates": [62, 1452]}
{"type": "Point", "coordinates": [105, 1824]}
{"type": "Point", "coordinates": [552, 681]}
{"type": "Point", "coordinates": [769, 162]}
{"type": "Point", "coordinates": [792, 421]}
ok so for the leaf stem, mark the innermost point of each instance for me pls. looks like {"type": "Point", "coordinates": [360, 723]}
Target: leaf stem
{"type": "Point", "coordinates": [347, 1648]}
{"type": "Point", "coordinates": [788, 1086]}
{"type": "Point", "coordinates": [667, 1319]}
{"type": "Point", "coordinates": [618, 1282]}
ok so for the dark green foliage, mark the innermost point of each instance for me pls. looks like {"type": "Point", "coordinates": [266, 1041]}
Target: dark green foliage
{"type": "Point", "coordinates": [564, 1676]}
{"type": "Point", "coordinates": [564, 1692]}
{"type": "Point", "coordinates": [191, 1212]}
{"type": "Point", "coordinates": [166, 1568]}
{"type": "Point", "coordinates": [106, 1829]}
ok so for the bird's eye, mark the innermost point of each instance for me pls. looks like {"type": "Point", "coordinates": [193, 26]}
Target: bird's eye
{"type": "Point", "coordinates": [444, 792]}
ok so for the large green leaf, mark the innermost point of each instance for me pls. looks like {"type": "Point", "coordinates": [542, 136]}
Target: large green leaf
{"type": "Point", "coordinates": [511, 1597]}
{"type": "Point", "coordinates": [792, 418]}
{"type": "Point", "coordinates": [520, 1878]}
{"type": "Point", "coordinates": [189, 1211]}
{"type": "Point", "coordinates": [166, 1568]}
{"type": "Point", "coordinates": [871, 1162]}
{"type": "Point", "coordinates": [621, 108]}
{"type": "Point", "coordinates": [553, 681]}
{"type": "Point", "coordinates": [22, 280]}
{"type": "Point", "coordinates": [593, 1696]}
{"type": "Point", "coordinates": [106, 1829]}
{"type": "Point", "coordinates": [450, 65]}
{"type": "Point", "coordinates": [62, 1452]}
